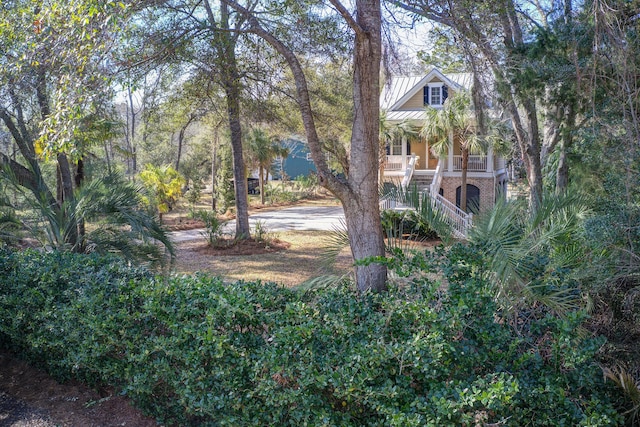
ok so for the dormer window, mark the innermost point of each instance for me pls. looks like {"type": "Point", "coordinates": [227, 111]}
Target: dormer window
{"type": "Point", "coordinates": [435, 94]}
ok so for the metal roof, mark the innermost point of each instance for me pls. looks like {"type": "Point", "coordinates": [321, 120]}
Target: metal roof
{"type": "Point", "coordinates": [401, 88]}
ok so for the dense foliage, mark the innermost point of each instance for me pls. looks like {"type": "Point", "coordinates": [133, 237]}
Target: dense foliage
{"type": "Point", "coordinates": [196, 351]}
{"type": "Point", "coordinates": [406, 224]}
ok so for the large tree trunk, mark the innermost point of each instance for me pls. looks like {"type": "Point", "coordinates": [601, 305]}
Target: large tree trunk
{"type": "Point", "coordinates": [240, 180]}
{"type": "Point", "coordinates": [65, 181]}
{"type": "Point", "coordinates": [359, 193]}
{"type": "Point", "coordinates": [226, 44]}
{"type": "Point", "coordinates": [362, 211]}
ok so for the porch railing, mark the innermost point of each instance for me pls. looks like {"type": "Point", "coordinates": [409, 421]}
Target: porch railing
{"type": "Point", "coordinates": [476, 163]}
{"type": "Point", "coordinates": [395, 162]}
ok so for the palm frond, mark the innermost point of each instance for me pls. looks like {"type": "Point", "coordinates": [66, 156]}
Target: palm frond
{"type": "Point", "coordinates": [514, 244]}
{"type": "Point", "coordinates": [324, 282]}
{"type": "Point", "coordinates": [630, 388]}
{"type": "Point", "coordinates": [334, 243]}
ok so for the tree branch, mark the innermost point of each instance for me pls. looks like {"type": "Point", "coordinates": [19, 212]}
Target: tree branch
{"type": "Point", "coordinates": [327, 179]}
{"type": "Point", "coordinates": [347, 17]}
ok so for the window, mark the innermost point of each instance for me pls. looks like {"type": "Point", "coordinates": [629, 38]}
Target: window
{"type": "Point", "coordinates": [396, 146]}
{"type": "Point", "coordinates": [435, 96]}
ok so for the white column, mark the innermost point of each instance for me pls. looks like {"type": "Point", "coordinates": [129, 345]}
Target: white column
{"type": "Point", "coordinates": [450, 159]}
{"type": "Point", "coordinates": [490, 159]}
{"type": "Point", "coordinates": [404, 153]}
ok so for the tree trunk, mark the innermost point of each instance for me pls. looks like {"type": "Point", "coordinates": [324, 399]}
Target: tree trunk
{"type": "Point", "coordinates": [261, 177]}
{"type": "Point", "coordinates": [231, 83]}
{"type": "Point", "coordinates": [240, 180]}
{"type": "Point", "coordinates": [66, 193]}
{"type": "Point", "coordinates": [566, 141]}
{"type": "Point", "coordinates": [214, 169]}
{"type": "Point", "coordinates": [533, 156]}
{"type": "Point", "coordinates": [359, 193]}
{"type": "Point", "coordinates": [131, 132]}
{"type": "Point", "coordinates": [362, 212]}
{"type": "Point", "coordinates": [79, 180]}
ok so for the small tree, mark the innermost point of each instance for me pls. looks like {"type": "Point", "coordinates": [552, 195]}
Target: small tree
{"type": "Point", "coordinates": [454, 122]}
{"type": "Point", "coordinates": [263, 151]}
{"type": "Point", "coordinates": [164, 184]}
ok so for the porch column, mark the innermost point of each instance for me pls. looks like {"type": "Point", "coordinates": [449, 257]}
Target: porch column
{"type": "Point", "coordinates": [490, 159]}
{"type": "Point", "coordinates": [450, 159]}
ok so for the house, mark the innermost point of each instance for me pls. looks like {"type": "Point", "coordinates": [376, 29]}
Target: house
{"type": "Point", "coordinates": [410, 160]}
{"type": "Point", "coordinates": [297, 163]}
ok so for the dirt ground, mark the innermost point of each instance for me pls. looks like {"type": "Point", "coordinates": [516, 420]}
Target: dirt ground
{"type": "Point", "coordinates": [30, 398]}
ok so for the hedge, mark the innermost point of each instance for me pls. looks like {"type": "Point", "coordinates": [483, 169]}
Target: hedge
{"type": "Point", "coordinates": [192, 350]}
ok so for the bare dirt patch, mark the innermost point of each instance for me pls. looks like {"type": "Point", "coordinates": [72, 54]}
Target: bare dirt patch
{"type": "Point", "coordinates": [289, 258]}
{"type": "Point", "coordinates": [229, 247]}
{"type": "Point", "coordinates": [30, 398]}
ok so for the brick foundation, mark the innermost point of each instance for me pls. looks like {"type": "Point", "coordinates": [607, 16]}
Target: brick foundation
{"type": "Point", "coordinates": [486, 186]}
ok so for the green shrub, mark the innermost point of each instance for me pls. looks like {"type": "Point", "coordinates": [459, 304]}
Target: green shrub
{"type": "Point", "coordinates": [212, 225]}
{"type": "Point", "coordinates": [196, 351]}
{"type": "Point", "coordinates": [306, 185]}
{"type": "Point", "coordinates": [278, 195]}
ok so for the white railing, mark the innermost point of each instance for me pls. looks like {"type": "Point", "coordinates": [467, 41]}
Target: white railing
{"type": "Point", "coordinates": [436, 182]}
{"type": "Point", "coordinates": [395, 162]}
{"type": "Point", "coordinates": [408, 173]}
{"type": "Point", "coordinates": [459, 220]}
{"type": "Point", "coordinates": [476, 163]}
{"type": "Point", "coordinates": [387, 202]}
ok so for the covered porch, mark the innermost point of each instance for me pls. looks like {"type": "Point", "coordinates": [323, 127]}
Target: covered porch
{"type": "Point", "coordinates": [396, 164]}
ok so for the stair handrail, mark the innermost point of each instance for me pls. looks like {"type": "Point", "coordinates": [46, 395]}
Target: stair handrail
{"type": "Point", "coordinates": [408, 173]}
{"type": "Point", "coordinates": [436, 182]}
{"type": "Point", "coordinates": [459, 220]}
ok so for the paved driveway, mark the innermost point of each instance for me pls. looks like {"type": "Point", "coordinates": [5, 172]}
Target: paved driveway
{"type": "Point", "coordinates": [289, 219]}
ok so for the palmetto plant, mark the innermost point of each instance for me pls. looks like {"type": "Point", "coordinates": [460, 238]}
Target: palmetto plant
{"type": "Point", "coordinates": [390, 132]}
{"type": "Point", "coordinates": [531, 257]}
{"type": "Point", "coordinates": [630, 387]}
{"type": "Point", "coordinates": [117, 221]}
{"type": "Point", "coordinates": [454, 122]}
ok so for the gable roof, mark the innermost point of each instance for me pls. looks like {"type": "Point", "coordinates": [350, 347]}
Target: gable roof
{"type": "Point", "coordinates": [402, 88]}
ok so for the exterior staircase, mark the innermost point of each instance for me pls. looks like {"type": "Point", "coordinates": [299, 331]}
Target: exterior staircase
{"type": "Point", "coordinates": [459, 221]}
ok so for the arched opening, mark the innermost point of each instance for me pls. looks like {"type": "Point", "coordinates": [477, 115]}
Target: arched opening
{"type": "Point", "coordinates": [473, 198]}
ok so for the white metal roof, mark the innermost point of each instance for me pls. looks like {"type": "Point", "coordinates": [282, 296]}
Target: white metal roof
{"type": "Point", "coordinates": [402, 88]}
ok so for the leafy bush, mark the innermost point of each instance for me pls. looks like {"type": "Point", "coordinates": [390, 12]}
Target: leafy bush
{"type": "Point", "coordinates": [196, 351]}
{"type": "Point", "coordinates": [278, 195]}
{"type": "Point", "coordinates": [306, 185]}
{"type": "Point", "coordinates": [212, 225]}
